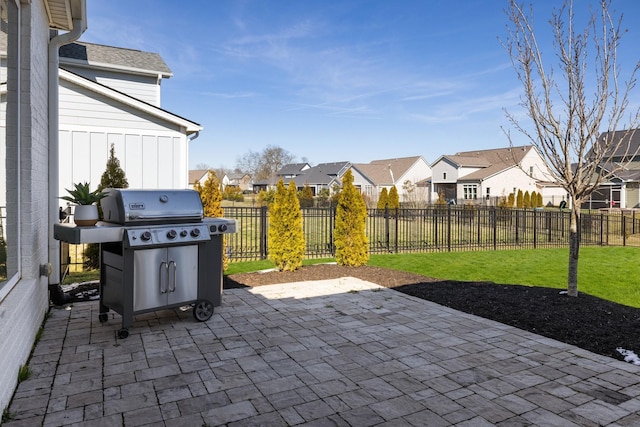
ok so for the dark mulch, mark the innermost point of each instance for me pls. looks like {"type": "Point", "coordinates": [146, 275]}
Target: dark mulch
{"type": "Point", "coordinates": [588, 322]}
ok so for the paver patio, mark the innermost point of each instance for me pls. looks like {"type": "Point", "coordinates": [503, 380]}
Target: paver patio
{"type": "Point", "coordinates": [338, 352]}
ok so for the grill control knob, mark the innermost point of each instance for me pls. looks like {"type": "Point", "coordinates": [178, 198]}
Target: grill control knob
{"type": "Point", "coordinates": [183, 233]}
{"type": "Point", "coordinates": [195, 232]}
{"type": "Point", "coordinates": [171, 234]}
{"type": "Point", "coordinates": [145, 236]}
{"type": "Point", "coordinates": [212, 229]}
{"type": "Point", "coordinates": [222, 227]}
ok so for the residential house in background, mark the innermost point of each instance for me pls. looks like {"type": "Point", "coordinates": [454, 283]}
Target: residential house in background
{"type": "Point", "coordinates": [112, 96]}
{"type": "Point", "coordinates": [286, 172]}
{"type": "Point", "coordinates": [483, 176]}
{"type": "Point", "coordinates": [404, 173]}
{"type": "Point", "coordinates": [240, 180]}
{"type": "Point", "coordinates": [328, 176]}
{"type": "Point", "coordinates": [623, 189]}
{"type": "Point", "coordinates": [199, 176]}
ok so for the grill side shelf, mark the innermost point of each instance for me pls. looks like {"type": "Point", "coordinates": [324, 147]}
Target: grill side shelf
{"type": "Point", "coordinates": [100, 233]}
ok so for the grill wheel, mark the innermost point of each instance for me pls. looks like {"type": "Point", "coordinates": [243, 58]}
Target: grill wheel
{"type": "Point", "coordinates": [203, 310]}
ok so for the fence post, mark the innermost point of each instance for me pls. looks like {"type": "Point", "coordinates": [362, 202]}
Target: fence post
{"type": "Point", "coordinates": [494, 213]}
{"type": "Point", "coordinates": [397, 216]}
{"type": "Point", "coordinates": [449, 228]}
{"type": "Point", "coordinates": [332, 221]}
{"type": "Point", "coordinates": [263, 232]}
{"type": "Point", "coordinates": [387, 240]}
{"type": "Point", "coordinates": [535, 230]}
{"type": "Point", "coordinates": [624, 229]}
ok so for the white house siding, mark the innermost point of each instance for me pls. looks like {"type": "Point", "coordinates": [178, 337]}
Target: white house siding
{"type": "Point", "coordinates": [22, 310]}
{"type": "Point", "coordinates": [152, 153]}
{"type": "Point", "coordinates": [419, 171]}
{"type": "Point", "coordinates": [505, 182]}
{"type": "Point", "coordinates": [441, 168]}
{"type": "Point", "coordinates": [145, 88]}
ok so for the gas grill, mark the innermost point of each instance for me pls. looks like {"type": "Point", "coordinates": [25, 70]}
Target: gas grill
{"type": "Point", "coordinates": [157, 251]}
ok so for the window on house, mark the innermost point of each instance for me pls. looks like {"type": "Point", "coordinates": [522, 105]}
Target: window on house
{"type": "Point", "coordinates": [530, 170]}
{"type": "Point", "coordinates": [444, 175]}
{"type": "Point", "coordinates": [488, 193]}
{"type": "Point", "coordinates": [9, 149]}
{"type": "Point", "coordinates": [470, 191]}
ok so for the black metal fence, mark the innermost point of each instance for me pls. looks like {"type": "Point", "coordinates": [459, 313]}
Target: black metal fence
{"type": "Point", "coordinates": [448, 228]}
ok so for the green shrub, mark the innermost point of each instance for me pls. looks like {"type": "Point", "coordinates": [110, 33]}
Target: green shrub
{"type": "Point", "coordinates": [306, 197]}
{"type": "Point", "coordinates": [352, 246]}
{"type": "Point", "coordinates": [519, 200]}
{"type": "Point", "coordinates": [112, 177]}
{"type": "Point", "coordinates": [211, 196]}
{"type": "Point", "coordinates": [526, 200]}
{"type": "Point", "coordinates": [286, 236]}
{"type": "Point", "coordinates": [383, 199]}
{"type": "Point", "coordinates": [394, 201]}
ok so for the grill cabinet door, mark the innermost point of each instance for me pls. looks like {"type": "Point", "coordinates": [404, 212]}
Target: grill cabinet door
{"type": "Point", "coordinates": [165, 276]}
{"type": "Point", "coordinates": [150, 285]}
{"type": "Point", "coordinates": [183, 274]}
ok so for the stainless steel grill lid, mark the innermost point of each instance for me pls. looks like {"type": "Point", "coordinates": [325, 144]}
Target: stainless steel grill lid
{"type": "Point", "coordinates": [129, 206]}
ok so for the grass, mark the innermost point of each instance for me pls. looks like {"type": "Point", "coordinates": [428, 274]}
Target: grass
{"type": "Point", "coordinates": [607, 272]}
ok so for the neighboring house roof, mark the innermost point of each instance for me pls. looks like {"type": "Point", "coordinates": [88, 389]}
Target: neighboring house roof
{"type": "Point", "coordinates": [622, 148]}
{"type": "Point", "coordinates": [292, 169]}
{"type": "Point", "coordinates": [491, 162]}
{"type": "Point", "coordinates": [196, 175]}
{"type": "Point", "coordinates": [322, 174]}
{"type": "Point", "coordinates": [387, 171]}
{"type": "Point", "coordinates": [101, 56]}
{"type": "Point", "coordinates": [237, 176]}
{"type": "Point", "coordinates": [189, 126]}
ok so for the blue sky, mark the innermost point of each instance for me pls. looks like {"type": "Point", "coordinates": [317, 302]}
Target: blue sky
{"type": "Point", "coordinates": [326, 80]}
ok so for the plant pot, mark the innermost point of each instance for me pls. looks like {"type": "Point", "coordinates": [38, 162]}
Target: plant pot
{"type": "Point", "coordinates": [85, 215]}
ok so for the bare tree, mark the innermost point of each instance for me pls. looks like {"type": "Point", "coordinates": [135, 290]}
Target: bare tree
{"type": "Point", "coordinates": [574, 117]}
{"type": "Point", "coordinates": [265, 164]}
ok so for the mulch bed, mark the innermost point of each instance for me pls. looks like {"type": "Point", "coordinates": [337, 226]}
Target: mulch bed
{"type": "Point", "coordinates": [588, 322]}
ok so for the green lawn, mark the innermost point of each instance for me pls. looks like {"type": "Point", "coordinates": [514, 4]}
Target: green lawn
{"type": "Point", "coordinates": [610, 273]}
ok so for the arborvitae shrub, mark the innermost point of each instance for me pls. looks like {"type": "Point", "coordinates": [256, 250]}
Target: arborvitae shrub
{"type": "Point", "coordinates": [112, 177]}
{"type": "Point", "coordinates": [393, 201]}
{"type": "Point", "coordinates": [306, 197]}
{"type": "Point", "coordinates": [211, 196]}
{"type": "Point", "coordinates": [286, 235]}
{"type": "Point", "coordinates": [511, 200]}
{"type": "Point", "coordinates": [540, 201]}
{"type": "Point", "coordinates": [519, 200]}
{"type": "Point", "coordinates": [526, 200]}
{"type": "Point", "coordinates": [352, 246]}
{"type": "Point", "coordinates": [383, 199]}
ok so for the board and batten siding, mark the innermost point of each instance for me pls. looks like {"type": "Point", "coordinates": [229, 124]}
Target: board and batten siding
{"type": "Point", "coordinates": [152, 152]}
{"type": "Point", "coordinates": [145, 88]}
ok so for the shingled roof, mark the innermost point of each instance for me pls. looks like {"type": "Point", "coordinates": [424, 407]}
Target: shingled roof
{"type": "Point", "coordinates": [490, 162]}
{"type": "Point", "coordinates": [386, 171]}
{"type": "Point", "coordinates": [110, 56]}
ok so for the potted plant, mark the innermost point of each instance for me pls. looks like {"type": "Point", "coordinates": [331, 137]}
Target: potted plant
{"type": "Point", "coordinates": [85, 212]}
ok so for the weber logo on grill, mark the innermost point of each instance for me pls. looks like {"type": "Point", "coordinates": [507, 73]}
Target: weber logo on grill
{"type": "Point", "coordinates": [136, 206]}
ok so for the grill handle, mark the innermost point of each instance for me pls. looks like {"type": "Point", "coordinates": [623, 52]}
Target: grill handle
{"type": "Point", "coordinates": [195, 215]}
{"type": "Point", "coordinates": [175, 268]}
{"type": "Point", "coordinates": [163, 290]}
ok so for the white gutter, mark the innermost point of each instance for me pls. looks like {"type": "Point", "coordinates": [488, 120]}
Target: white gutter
{"type": "Point", "coordinates": [79, 26]}
{"type": "Point", "coordinates": [190, 138]}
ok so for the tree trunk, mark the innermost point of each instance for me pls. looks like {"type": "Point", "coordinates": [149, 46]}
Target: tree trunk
{"type": "Point", "coordinates": [574, 250]}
